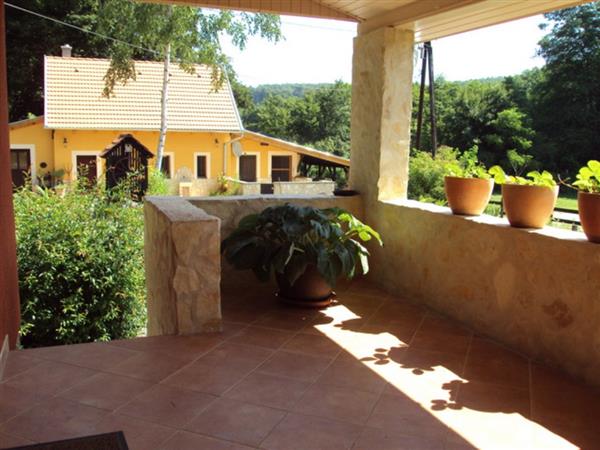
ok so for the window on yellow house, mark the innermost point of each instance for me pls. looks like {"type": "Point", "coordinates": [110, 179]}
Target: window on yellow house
{"type": "Point", "coordinates": [201, 171]}
{"type": "Point", "coordinates": [165, 167]}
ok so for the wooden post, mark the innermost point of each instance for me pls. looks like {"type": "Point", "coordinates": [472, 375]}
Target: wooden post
{"type": "Point", "coordinates": [9, 288]}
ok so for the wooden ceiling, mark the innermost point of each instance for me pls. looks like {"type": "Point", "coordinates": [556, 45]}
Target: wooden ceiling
{"type": "Point", "coordinates": [430, 19]}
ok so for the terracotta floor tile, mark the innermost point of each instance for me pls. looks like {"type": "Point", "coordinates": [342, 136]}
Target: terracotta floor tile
{"type": "Point", "coordinates": [288, 320]}
{"type": "Point", "coordinates": [494, 398]}
{"type": "Point", "coordinates": [262, 337]}
{"type": "Point", "coordinates": [98, 356]}
{"type": "Point", "coordinates": [167, 406]}
{"type": "Point", "coordinates": [300, 432]}
{"type": "Point", "coordinates": [268, 390]}
{"type": "Point", "coordinates": [352, 374]}
{"type": "Point", "coordinates": [420, 361]}
{"type": "Point", "coordinates": [9, 441]}
{"type": "Point", "coordinates": [238, 356]}
{"type": "Point", "coordinates": [54, 419]}
{"type": "Point", "coordinates": [444, 340]}
{"type": "Point", "coordinates": [565, 407]}
{"type": "Point", "coordinates": [17, 362]}
{"type": "Point", "coordinates": [403, 331]}
{"type": "Point", "coordinates": [295, 365]}
{"type": "Point", "coordinates": [140, 435]}
{"type": "Point", "coordinates": [378, 439]}
{"type": "Point", "coordinates": [338, 403]}
{"type": "Point", "coordinates": [15, 401]}
{"type": "Point", "coordinates": [184, 440]}
{"type": "Point", "coordinates": [236, 421]}
{"type": "Point", "coordinates": [49, 378]}
{"type": "Point", "coordinates": [311, 344]}
{"type": "Point", "coordinates": [207, 378]}
{"type": "Point", "coordinates": [187, 348]}
{"type": "Point", "coordinates": [106, 391]}
{"type": "Point", "coordinates": [491, 363]}
{"type": "Point", "coordinates": [148, 366]}
{"type": "Point", "coordinates": [398, 413]}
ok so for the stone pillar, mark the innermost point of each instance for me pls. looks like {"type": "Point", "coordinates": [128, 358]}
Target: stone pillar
{"type": "Point", "coordinates": [9, 289]}
{"type": "Point", "coordinates": [183, 267]}
{"type": "Point", "coordinates": [381, 113]}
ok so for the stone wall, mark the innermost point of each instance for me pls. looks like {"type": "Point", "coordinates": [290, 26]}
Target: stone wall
{"type": "Point", "coordinates": [536, 291]}
{"type": "Point", "coordinates": [303, 187]}
{"type": "Point", "coordinates": [183, 267]}
{"type": "Point", "coordinates": [231, 209]}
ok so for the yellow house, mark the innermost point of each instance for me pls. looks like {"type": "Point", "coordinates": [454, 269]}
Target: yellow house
{"type": "Point", "coordinates": [205, 137]}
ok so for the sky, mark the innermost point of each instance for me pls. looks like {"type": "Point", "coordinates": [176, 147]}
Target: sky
{"type": "Point", "coordinates": [320, 51]}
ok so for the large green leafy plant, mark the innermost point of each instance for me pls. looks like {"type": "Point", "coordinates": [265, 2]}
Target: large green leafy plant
{"type": "Point", "coordinates": [287, 239]}
{"type": "Point", "coordinates": [588, 178]}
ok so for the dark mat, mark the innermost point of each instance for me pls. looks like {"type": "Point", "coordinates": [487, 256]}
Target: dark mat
{"type": "Point", "coordinates": [108, 441]}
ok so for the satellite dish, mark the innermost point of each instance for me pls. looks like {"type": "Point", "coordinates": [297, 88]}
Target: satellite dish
{"type": "Point", "coordinates": [237, 149]}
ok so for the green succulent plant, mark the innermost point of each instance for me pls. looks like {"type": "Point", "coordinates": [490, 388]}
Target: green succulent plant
{"type": "Point", "coordinates": [288, 239]}
{"type": "Point", "coordinates": [468, 166]}
{"type": "Point", "coordinates": [535, 178]}
{"type": "Point", "coordinates": [588, 178]}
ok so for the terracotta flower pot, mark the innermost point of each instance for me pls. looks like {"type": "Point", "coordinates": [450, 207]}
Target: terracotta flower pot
{"type": "Point", "coordinates": [589, 214]}
{"type": "Point", "coordinates": [528, 206]}
{"type": "Point", "coordinates": [468, 196]}
{"type": "Point", "coordinates": [310, 290]}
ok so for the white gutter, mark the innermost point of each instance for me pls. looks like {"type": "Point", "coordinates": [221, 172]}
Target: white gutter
{"type": "Point", "coordinates": [229, 142]}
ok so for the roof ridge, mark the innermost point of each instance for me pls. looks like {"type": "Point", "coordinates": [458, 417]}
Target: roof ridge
{"type": "Point", "coordinates": [136, 61]}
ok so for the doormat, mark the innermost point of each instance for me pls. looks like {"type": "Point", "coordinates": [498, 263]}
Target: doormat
{"type": "Point", "coordinates": [108, 441]}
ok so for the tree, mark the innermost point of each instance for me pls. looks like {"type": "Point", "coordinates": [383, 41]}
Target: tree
{"type": "Point", "coordinates": [568, 112]}
{"type": "Point", "coordinates": [184, 34]}
{"type": "Point", "coordinates": [29, 38]}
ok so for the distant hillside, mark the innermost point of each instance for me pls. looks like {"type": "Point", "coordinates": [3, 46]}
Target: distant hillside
{"type": "Point", "coordinates": [259, 93]}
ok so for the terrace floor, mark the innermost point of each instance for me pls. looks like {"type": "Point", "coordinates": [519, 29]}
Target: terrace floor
{"type": "Point", "coordinates": [369, 372]}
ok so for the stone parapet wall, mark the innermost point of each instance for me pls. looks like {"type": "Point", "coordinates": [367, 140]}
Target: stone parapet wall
{"type": "Point", "coordinates": [183, 267]}
{"type": "Point", "coordinates": [303, 187]}
{"type": "Point", "coordinates": [536, 291]}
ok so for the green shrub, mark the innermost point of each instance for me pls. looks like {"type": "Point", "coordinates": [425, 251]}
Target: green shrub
{"type": "Point", "coordinates": [81, 269]}
{"type": "Point", "coordinates": [426, 174]}
{"type": "Point", "coordinates": [158, 183]}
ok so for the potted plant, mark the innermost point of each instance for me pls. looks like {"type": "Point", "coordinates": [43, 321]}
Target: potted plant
{"type": "Point", "coordinates": [588, 199]}
{"type": "Point", "coordinates": [306, 248]}
{"type": "Point", "coordinates": [527, 202]}
{"type": "Point", "coordinates": [468, 185]}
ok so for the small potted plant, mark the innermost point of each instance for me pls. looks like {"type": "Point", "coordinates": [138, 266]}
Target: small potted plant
{"type": "Point", "coordinates": [588, 199]}
{"type": "Point", "coordinates": [468, 185]}
{"type": "Point", "coordinates": [528, 202]}
{"type": "Point", "coordinates": [307, 249]}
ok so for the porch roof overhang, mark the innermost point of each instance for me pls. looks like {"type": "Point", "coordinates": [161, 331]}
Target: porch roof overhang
{"type": "Point", "coordinates": [429, 19]}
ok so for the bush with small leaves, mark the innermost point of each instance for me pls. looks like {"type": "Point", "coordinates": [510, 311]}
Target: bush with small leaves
{"type": "Point", "coordinates": [81, 267]}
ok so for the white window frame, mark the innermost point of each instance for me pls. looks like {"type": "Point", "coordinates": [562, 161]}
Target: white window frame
{"type": "Point", "coordinates": [76, 153]}
{"type": "Point", "coordinates": [237, 160]}
{"type": "Point", "coordinates": [207, 155]}
{"type": "Point", "coordinates": [171, 156]}
{"type": "Point", "coordinates": [32, 158]}
{"type": "Point", "coordinates": [294, 163]}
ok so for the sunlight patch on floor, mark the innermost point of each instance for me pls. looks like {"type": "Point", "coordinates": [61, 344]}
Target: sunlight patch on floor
{"type": "Point", "coordinates": [435, 390]}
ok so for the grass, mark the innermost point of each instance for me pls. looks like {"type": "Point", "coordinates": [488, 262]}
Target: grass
{"type": "Point", "coordinates": [566, 200]}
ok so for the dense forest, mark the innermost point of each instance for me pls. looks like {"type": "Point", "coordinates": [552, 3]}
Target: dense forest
{"type": "Point", "coordinates": [551, 114]}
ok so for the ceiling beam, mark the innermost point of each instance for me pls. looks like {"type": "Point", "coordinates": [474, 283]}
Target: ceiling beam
{"type": "Point", "coordinates": [304, 8]}
{"type": "Point", "coordinates": [408, 14]}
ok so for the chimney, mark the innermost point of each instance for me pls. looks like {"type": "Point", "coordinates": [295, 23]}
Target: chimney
{"type": "Point", "coordinates": [66, 50]}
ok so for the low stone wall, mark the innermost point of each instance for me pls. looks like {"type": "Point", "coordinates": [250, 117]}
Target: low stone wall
{"type": "Point", "coordinates": [303, 187]}
{"type": "Point", "coordinates": [537, 291]}
{"type": "Point", "coordinates": [231, 210]}
{"type": "Point", "coordinates": [183, 267]}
